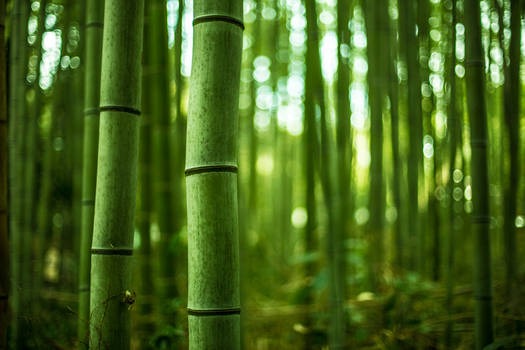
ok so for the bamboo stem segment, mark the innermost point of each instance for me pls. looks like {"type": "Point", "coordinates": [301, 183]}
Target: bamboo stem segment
{"type": "Point", "coordinates": [111, 290]}
{"type": "Point", "coordinates": [213, 242]}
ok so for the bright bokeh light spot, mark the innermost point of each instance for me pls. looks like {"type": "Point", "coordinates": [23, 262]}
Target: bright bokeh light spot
{"type": "Point", "coordinates": [520, 221]}
{"type": "Point", "coordinates": [50, 21]}
{"type": "Point", "coordinates": [361, 216]}
{"type": "Point", "coordinates": [468, 193]}
{"type": "Point", "coordinates": [363, 153]}
{"type": "Point", "coordinates": [457, 175]}
{"type": "Point", "coordinates": [359, 40]}
{"type": "Point", "coordinates": [435, 35]}
{"type": "Point", "coordinates": [297, 38]}
{"type": "Point", "coordinates": [269, 13]}
{"type": "Point", "coordinates": [391, 214]}
{"type": "Point", "coordinates": [298, 22]}
{"type": "Point", "coordinates": [264, 98]}
{"type": "Point", "coordinates": [262, 120]}
{"type": "Point", "coordinates": [265, 164]}
{"type": "Point", "coordinates": [326, 18]}
{"type": "Point", "coordinates": [295, 86]}
{"type": "Point", "coordinates": [50, 40]}
{"type": "Point", "coordinates": [428, 146]}
{"type": "Point", "coordinates": [329, 55]}
{"type": "Point", "coordinates": [290, 117]}
{"type": "Point", "coordinates": [299, 217]}
{"type": "Point", "coordinates": [360, 66]}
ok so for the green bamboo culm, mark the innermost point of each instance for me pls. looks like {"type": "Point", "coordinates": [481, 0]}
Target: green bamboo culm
{"type": "Point", "coordinates": [120, 91]}
{"type": "Point", "coordinates": [156, 72]}
{"type": "Point", "coordinates": [4, 250]}
{"type": "Point", "coordinates": [453, 136]}
{"type": "Point", "coordinates": [17, 119]}
{"type": "Point", "coordinates": [512, 123]}
{"type": "Point", "coordinates": [211, 176]}
{"type": "Point", "coordinates": [480, 183]}
{"type": "Point", "coordinates": [144, 214]}
{"type": "Point", "coordinates": [94, 27]}
{"type": "Point", "coordinates": [408, 45]}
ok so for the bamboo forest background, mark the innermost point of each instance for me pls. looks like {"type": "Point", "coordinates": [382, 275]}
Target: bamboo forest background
{"type": "Point", "coordinates": [363, 196]}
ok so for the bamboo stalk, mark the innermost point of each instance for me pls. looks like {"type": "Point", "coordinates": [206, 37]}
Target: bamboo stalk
{"type": "Point", "coordinates": [211, 176]}
{"type": "Point", "coordinates": [111, 292]}
{"type": "Point", "coordinates": [94, 28]}
{"type": "Point", "coordinates": [482, 279]}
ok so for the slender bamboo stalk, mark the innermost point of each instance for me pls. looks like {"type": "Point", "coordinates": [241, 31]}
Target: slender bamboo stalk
{"type": "Point", "coordinates": [480, 182]}
{"type": "Point", "coordinates": [314, 96]}
{"type": "Point", "coordinates": [4, 249]}
{"type": "Point", "coordinates": [111, 291]}
{"type": "Point", "coordinates": [94, 28]}
{"type": "Point", "coordinates": [452, 131]}
{"type": "Point", "coordinates": [393, 96]}
{"type": "Point", "coordinates": [211, 177]}
{"type": "Point", "coordinates": [376, 93]}
{"type": "Point", "coordinates": [310, 160]}
{"type": "Point", "coordinates": [344, 133]}
{"type": "Point", "coordinates": [17, 120]}
{"type": "Point", "coordinates": [156, 57]}
{"type": "Point", "coordinates": [512, 123]}
{"type": "Point", "coordinates": [410, 49]}
{"type": "Point", "coordinates": [145, 209]}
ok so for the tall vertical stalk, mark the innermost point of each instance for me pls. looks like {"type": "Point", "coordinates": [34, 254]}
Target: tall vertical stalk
{"type": "Point", "coordinates": [512, 123]}
{"type": "Point", "coordinates": [211, 176]}
{"type": "Point", "coordinates": [344, 133]}
{"type": "Point", "coordinates": [393, 95]}
{"type": "Point", "coordinates": [111, 291]}
{"type": "Point", "coordinates": [407, 34]}
{"type": "Point", "coordinates": [452, 133]}
{"type": "Point", "coordinates": [156, 55]}
{"type": "Point", "coordinates": [480, 182]}
{"type": "Point", "coordinates": [314, 97]}
{"type": "Point", "coordinates": [4, 249]}
{"type": "Point", "coordinates": [376, 94]}
{"type": "Point", "coordinates": [17, 120]}
{"type": "Point", "coordinates": [93, 51]}
{"type": "Point", "coordinates": [145, 205]}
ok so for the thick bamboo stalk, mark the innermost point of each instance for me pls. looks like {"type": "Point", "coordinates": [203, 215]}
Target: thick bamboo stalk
{"type": "Point", "coordinates": [111, 292]}
{"type": "Point", "coordinates": [93, 50]}
{"type": "Point", "coordinates": [211, 176]}
{"type": "Point", "coordinates": [480, 182]}
{"type": "Point", "coordinates": [4, 249]}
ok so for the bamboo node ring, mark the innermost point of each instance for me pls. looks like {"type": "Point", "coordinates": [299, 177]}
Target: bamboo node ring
{"type": "Point", "coordinates": [220, 18]}
{"type": "Point", "coordinates": [126, 109]}
{"type": "Point", "coordinates": [214, 312]}
{"type": "Point", "coordinates": [211, 169]}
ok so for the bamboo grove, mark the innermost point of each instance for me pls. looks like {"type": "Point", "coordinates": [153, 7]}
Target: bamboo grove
{"type": "Point", "coordinates": [262, 174]}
